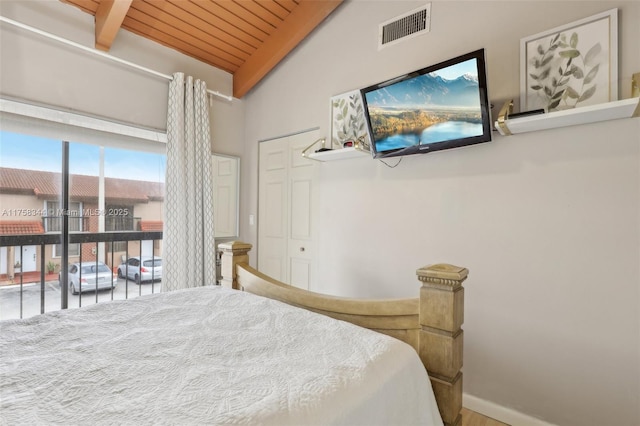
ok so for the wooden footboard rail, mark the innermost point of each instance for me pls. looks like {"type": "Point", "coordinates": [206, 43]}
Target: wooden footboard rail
{"type": "Point", "coordinates": [431, 323]}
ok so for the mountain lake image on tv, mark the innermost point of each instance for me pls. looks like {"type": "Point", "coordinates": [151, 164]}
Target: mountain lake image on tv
{"type": "Point", "coordinates": [439, 107]}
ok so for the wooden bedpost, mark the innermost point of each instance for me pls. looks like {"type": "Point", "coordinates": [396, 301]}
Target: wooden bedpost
{"type": "Point", "coordinates": [233, 252]}
{"type": "Point", "coordinates": [441, 316]}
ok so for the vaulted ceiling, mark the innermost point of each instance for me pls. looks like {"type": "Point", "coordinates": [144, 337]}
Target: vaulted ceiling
{"type": "Point", "coordinates": [247, 38]}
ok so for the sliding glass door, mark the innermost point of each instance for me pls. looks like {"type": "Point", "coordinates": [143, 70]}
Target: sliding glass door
{"type": "Point", "coordinates": [65, 203]}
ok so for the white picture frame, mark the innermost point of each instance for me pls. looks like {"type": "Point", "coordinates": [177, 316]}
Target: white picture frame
{"type": "Point", "coordinates": [571, 66]}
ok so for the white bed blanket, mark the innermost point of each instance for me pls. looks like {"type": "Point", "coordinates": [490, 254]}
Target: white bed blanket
{"type": "Point", "coordinates": [206, 356]}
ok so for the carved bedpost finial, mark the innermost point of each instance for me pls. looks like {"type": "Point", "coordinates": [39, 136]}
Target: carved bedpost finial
{"type": "Point", "coordinates": [233, 252]}
{"type": "Point", "coordinates": [441, 336]}
{"type": "Point", "coordinates": [443, 273]}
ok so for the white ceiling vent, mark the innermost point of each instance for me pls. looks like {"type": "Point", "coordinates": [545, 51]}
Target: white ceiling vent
{"type": "Point", "coordinates": [405, 26]}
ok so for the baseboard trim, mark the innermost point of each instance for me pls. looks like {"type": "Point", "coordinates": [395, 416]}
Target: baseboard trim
{"type": "Point", "coordinates": [500, 413]}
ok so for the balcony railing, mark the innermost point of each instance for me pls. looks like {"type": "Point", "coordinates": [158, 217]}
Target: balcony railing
{"type": "Point", "coordinates": [76, 223]}
{"type": "Point", "coordinates": [20, 295]}
{"type": "Point", "coordinates": [81, 223]}
{"type": "Point", "coordinates": [122, 223]}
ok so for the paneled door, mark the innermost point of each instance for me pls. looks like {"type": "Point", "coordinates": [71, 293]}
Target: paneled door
{"type": "Point", "coordinates": [286, 210]}
{"type": "Point", "coordinates": [29, 263]}
{"type": "Point", "coordinates": [225, 192]}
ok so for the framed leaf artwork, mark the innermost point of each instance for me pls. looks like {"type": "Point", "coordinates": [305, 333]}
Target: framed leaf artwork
{"type": "Point", "coordinates": [571, 66]}
{"type": "Point", "coordinates": [347, 119]}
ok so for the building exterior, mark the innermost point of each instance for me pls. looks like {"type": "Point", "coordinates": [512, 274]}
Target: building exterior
{"type": "Point", "coordinates": [30, 204]}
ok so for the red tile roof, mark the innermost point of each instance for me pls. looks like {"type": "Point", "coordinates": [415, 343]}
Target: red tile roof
{"type": "Point", "coordinates": [46, 185]}
{"type": "Point", "coordinates": [150, 225]}
{"type": "Point", "coordinates": [21, 227]}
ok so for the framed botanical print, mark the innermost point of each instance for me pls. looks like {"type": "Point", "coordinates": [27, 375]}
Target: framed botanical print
{"type": "Point", "coordinates": [571, 66]}
{"type": "Point", "coordinates": [347, 119]}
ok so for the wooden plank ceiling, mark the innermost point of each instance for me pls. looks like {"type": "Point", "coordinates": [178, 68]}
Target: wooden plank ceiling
{"type": "Point", "coordinates": [247, 38]}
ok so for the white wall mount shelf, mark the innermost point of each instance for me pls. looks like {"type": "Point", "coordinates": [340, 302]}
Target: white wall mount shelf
{"type": "Point", "coordinates": [625, 108]}
{"type": "Point", "coordinates": [339, 154]}
{"type": "Point", "coordinates": [356, 151]}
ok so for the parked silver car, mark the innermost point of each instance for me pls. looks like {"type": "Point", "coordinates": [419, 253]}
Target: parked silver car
{"type": "Point", "coordinates": [142, 269]}
{"type": "Point", "coordinates": [90, 276]}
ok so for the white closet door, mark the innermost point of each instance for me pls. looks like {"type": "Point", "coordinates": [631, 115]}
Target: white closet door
{"type": "Point", "coordinates": [272, 208]}
{"type": "Point", "coordinates": [302, 205]}
{"type": "Point", "coordinates": [287, 206]}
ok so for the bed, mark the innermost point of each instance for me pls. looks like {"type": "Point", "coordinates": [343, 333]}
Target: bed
{"type": "Point", "coordinates": [216, 355]}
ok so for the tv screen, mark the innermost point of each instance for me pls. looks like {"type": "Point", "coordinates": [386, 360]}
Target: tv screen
{"type": "Point", "coordinates": [439, 107]}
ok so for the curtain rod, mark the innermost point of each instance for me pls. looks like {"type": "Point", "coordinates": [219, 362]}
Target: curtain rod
{"type": "Point", "coordinates": [100, 53]}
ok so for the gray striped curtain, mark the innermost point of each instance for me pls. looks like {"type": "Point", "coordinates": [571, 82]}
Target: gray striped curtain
{"type": "Point", "coordinates": [188, 252]}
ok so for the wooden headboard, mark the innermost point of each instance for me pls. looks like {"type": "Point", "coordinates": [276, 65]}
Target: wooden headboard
{"type": "Point", "coordinates": [431, 323]}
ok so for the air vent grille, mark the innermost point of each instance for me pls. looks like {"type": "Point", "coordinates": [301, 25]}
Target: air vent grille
{"type": "Point", "coordinates": [407, 25]}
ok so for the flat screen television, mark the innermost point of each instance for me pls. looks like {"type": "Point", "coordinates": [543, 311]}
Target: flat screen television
{"type": "Point", "coordinates": [439, 107]}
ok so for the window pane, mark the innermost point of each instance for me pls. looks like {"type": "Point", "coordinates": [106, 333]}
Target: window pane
{"type": "Point", "coordinates": [119, 218]}
{"type": "Point", "coordinates": [138, 206]}
{"type": "Point", "coordinates": [150, 263]}
{"type": "Point", "coordinates": [54, 213]}
{"type": "Point", "coordinates": [118, 191]}
{"type": "Point", "coordinates": [91, 269]}
{"type": "Point", "coordinates": [74, 250]}
{"type": "Point", "coordinates": [29, 178]}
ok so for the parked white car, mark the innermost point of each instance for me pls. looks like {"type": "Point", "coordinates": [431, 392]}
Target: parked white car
{"type": "Point", "coordinates": [142, 269]}
{"type": "Point", "coordinates": [90, 276]}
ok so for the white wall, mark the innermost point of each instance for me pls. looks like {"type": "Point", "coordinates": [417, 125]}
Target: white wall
{"type": "Point", "coordinates": [548, 223]}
